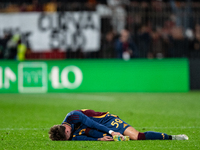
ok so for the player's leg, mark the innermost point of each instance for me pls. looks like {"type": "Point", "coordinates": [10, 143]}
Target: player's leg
{"type": "Point", "coordinates": [151, 135]}
{"type": "Point", "coordinates": [132, 133]}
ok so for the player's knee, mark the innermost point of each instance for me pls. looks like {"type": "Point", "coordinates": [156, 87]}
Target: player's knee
{"type": "Point", "coordinates": [133, 137]}
{"type": "Point", "coordinates": [132, 133]}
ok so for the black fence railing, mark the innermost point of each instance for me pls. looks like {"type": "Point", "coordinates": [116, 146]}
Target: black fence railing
{"type": "Point", "coordinates": [131, 29]}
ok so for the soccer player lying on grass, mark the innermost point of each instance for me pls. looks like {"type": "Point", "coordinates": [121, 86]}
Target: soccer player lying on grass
{"type": "Point", "coordinates": [89, 125]}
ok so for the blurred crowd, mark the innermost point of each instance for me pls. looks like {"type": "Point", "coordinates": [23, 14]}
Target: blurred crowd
{"type": "Point", "coordinates": [155, 29]}
{"type": "Point", "coordinates": [48, 5]}
{"type": "Point", "coordinates": [12, 46]}
{"type": "Point", "coordinates": [129, 28]}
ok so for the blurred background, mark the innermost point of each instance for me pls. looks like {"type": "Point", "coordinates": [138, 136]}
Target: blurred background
{"type": "Point", "coordinates": [142, 28]}
{"type": "Point", "coordinates": [101, 29]}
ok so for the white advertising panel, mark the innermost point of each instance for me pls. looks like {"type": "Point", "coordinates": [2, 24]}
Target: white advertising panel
{"type": "Point", "coordinates": [46, 31]}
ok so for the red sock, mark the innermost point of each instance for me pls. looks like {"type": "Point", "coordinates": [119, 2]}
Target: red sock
{"type": "Point", "coordinates": [141, 136]}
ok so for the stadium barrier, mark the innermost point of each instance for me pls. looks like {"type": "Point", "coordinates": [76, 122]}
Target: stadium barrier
{"type": "Point", "coordinates": [194, 74]}
{"type": "Point", "coordinates": [137, 75]}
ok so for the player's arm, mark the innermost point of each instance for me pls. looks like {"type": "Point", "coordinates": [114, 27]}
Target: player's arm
{"type": "Point", "coordinates": [95, 125]}
{"type": "Point", "coordinates": [94, 133]}
{"type": "Point", "coordinates": [86, 138]}
{"type": "Point", "coordinates": [78, 117]}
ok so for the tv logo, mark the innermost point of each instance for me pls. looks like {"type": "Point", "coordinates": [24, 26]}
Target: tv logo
{"type": "Point", "coordinates": [37, 77]}
{"type": "Point", "coordinates": [56, 77]}
{"type": "Point", "coordinates": [32, 77]}
{"type": "Point", "coordinates": [8, 75]}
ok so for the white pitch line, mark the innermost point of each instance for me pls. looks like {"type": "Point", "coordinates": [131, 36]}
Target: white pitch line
{"type": "Point", "coordinates": [94, 97]}
{"type": "Point", "coordinates": [170, 127]}
{"type": "Point", "coordinates": [88, 97]}
{"type": "Point", "coordinates": [134, 127]}
{"type": "Point", "coordinates": [24, 128]}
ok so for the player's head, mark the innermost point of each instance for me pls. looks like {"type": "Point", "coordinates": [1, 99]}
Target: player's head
{"type": "Point", "coordinates": [59, 133]}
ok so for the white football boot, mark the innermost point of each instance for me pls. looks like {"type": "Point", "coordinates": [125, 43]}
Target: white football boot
{"type": "Point", "coordinates": [180, 137]}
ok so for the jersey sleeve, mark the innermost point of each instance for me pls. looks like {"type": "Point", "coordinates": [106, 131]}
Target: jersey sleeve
{"type": "Point", "coordinates": [75, 117]}
{"type": "Point", "coordinates": [84, 138]}
{"type": "Point", "coordinates": [95, 133]}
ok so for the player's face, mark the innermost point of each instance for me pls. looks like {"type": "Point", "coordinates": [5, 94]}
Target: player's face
{"type": "Point", "coordinates": [67, 132]}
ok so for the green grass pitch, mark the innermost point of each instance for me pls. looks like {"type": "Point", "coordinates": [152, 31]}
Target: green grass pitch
{"type": "Point", "coordinates": [26, 118]}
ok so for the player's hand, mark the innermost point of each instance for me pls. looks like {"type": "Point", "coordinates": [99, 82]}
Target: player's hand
{"type": "Point", "coordinates": [117, 133]}
{"type": "Point", "coordinates": [106, 138]}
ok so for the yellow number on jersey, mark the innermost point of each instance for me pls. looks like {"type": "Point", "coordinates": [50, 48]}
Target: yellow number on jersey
{"type": "Point", "coordinates": [116, 122]}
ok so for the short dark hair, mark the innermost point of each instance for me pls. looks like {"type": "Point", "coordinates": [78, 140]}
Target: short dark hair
{"type": "Point", "coordinates": [57, 133]}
